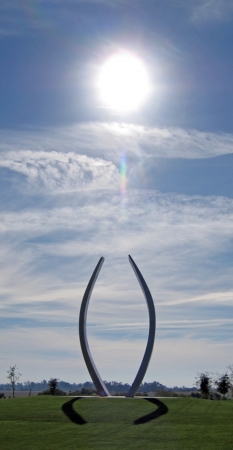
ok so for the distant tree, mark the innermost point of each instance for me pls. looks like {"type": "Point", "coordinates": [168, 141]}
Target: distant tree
{"type": "Point", "coordinates": [204, 382]}
{"type": "Point", "coordinates": [28, 386]}
{"type": "Point", "coordinates": [13, 376]}
{"type": "Point", "coordinates": [230, 369]}
{"type": "Point", "coordinates": [223, 384]}
{"type": "Point", "coordinates": [53, 382]}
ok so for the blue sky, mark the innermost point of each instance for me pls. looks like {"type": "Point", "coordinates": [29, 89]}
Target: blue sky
{"type": "Point", "coordinates": [62, 205]}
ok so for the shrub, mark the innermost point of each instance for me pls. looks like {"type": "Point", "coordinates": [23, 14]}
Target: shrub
{"type": "Point", "coordinates": [84, 391]}
{"type": "Point", "coordinates": [215, 396]}
{"type": "Point", "coordinates": [195, 394]}
{"type": "Point", "coordinates": [48, 392]}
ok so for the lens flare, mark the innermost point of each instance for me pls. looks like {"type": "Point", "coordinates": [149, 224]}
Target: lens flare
{"type": "Point", "coordinates": [123, 176]}
{"type": "Point", "coordinates": [123, 187]}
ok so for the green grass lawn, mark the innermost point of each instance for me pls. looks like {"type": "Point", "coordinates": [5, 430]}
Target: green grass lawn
{"type": "Point", "coordinates": [39, 423]}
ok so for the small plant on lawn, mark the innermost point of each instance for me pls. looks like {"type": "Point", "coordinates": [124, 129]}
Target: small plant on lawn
{"type": "Point", "coordinates": [13, 376]}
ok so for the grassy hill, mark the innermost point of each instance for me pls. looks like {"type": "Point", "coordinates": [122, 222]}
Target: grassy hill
{"type": "Point", "coordinates": [63, 423]}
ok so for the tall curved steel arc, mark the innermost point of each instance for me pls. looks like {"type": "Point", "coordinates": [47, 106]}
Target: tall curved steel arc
{"type": "Point", "coordinates": [151, 336]}
{"type": "Point", "coordinates": [98, 382]}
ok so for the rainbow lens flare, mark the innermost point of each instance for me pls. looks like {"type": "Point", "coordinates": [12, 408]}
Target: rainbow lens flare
{"type": "Point", "coordinates": [123, 170]}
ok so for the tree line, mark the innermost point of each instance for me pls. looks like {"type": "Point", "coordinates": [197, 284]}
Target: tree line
{"type": "Point", "coordinates": [215, 385]}
{"type": "Point", "coordinates": [113, 386]}
{"type": "Point", "coordinates": [210, 385]}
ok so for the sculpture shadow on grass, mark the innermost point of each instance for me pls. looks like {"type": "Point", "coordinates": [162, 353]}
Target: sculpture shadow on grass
{"type": "Point", "coordinates": [68, 410]}
{"type": "Point", "coordinates": [162, 409]}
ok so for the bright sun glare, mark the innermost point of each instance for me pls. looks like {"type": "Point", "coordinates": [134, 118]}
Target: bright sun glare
{"type": "Point", "coordinates": [123, 82]}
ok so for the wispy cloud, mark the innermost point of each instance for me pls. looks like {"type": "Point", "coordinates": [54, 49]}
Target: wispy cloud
{"type": "Point", "coordinates": [29, 16]}
{"type": "Point", "coordinates": [110, 139]}
{"type": "Point", "coordinates": [203, 11]}
{"type": "Point", "coordinates": [42, 354]}
{"type": "Point", "coordinates": [59, 171]}
{"type": "Point", "coordinates": [87, 157]}
{"type": "Point", "coordinates": [22, 17]}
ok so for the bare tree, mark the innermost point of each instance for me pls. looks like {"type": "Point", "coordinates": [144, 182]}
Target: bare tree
{"type": "Point", "coordinates": [13, 376]}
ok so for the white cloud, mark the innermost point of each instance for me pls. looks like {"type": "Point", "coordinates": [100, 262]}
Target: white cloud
{"type": "Point", "coordinates": [59, 172]}
{"type": "Point", "coordinates": [20, 17]}
{"type": "Point", "coordinates": [87, 156]}
{"type": "Point", "coordinates": [110, 140]}
{"type": "Point", "coordinates": [26, 17]}
{"type": "Point", "coordinates": [210, 10]}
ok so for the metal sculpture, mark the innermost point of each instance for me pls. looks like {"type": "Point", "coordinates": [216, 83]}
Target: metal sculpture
{"type": "Point", "coordinates": [98, 382]}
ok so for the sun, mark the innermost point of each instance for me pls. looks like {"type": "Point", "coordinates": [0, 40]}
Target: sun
{"type": "Point", "coordinates": [123, 82]}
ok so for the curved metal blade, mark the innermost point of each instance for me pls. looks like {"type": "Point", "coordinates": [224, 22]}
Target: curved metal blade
{"type": "Point", "coordinates": [98, 382]}
{"type": "Point", "coordinates": [151, 336]}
